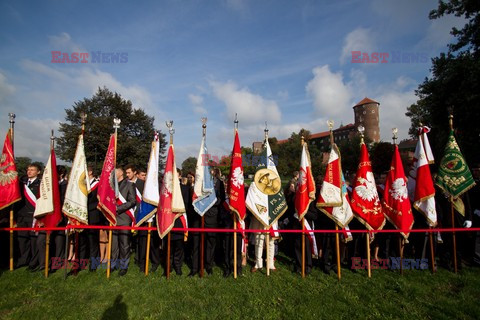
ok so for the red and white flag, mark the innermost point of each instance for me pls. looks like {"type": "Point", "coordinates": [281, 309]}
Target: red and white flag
{"type": "Point", "coordinates": [333, 199]}
{"type": "Point", "coordinates": [47, 210]}
{"type": "Point", "coordinates": [364, 200]}
{"type": "Point", "coordinates": [236, 187]}
{"type": "Point", "coordinates": [9, 186]}
{"type": "Point", "coordinates": [171, 204]}
{"type": "Point", "coordinates": [108, 187]}
{"type": "Point", "coordinates": [420, 182]}
{"type": "Point", "coordinates": [305, 186]}
{"type": "Point", "coordinates": [396, 204]}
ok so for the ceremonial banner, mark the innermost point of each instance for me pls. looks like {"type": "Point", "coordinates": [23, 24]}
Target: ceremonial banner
{"type": "Point", "coordinates": [108, 186]}
{"type": "Point", "coordinates": [333, 199]}
{"type": "Point", "coordinates": [236, 188]}
{"type": "Point", "coordinates": [171, 202]}
{"type": "Point", "coordinates": [47, 210]}
{"type": "Point", "coordinates": [75, 206]}
{"type": "Point", "coordinates": [396, 204]}
{"type": "Point", "coordinates": [9, 185]}
{"type": "Point", "coordinates": [305, 192]}
{"type": "Point", "coordinates": [204, 196]}
{"type": "Point", "coordinates": [265, 198]}
{"type": "Point", "coordinates": [454, 176]}
{"type": "Point", "coordinates": [420, 183]}
{"type": "Point", "coordinates": [151, 193]}
{"type": "Point", "coordinates": [365, 201]}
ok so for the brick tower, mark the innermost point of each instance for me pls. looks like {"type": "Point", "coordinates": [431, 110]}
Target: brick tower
{"type": "Point", "coordinates": [366, 114]}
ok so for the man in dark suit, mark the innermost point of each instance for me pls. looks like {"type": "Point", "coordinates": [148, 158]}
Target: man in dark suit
{"type": "Point", "coordinates": [121, 238]}
{"type": "Point", "coordinates": [27, 240]}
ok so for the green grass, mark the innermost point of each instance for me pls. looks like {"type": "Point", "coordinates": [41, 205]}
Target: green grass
{"type": "Point", "coordinates": [283, 295]}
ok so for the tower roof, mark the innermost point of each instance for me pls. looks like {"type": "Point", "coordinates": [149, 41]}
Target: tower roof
{"type": "Point", "coordinates": [365, 101]}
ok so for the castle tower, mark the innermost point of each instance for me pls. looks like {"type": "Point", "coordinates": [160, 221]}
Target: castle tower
{"type": "Point", "coordinates": [366, 114]}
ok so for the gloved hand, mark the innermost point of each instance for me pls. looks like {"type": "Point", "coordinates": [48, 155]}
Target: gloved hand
{"type": "Point", "coordinates": [467, 224]}
{"type": "Point", "coordinates": [477, 212]}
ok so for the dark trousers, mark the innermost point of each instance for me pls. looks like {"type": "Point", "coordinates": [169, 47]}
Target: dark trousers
{"type": "Point", "coordinates": [58, 238]}
{"type": "Point", "coordinates": [210, 241]}
{"type": "Point", "coordinates": [177, 255]}
{"type": "Point", "coordinates": [121, 248]}
{"type": "Point", "coordinates": [27, 243]}
{"type": "Point", "coordinates": [228, 252]}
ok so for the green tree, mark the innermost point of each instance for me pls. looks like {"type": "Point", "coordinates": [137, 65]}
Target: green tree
{"type": "Point", "coordinates": [134, 135]}
{"type": "Point", "coordinates": [455, 82]}
{"type": "Point", "coordinates": [381, 156]}
{"type": "Point", "coordinates": [189, 165]}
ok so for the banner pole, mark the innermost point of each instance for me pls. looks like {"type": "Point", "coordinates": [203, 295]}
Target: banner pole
{"type": "Point", "coordinates": [400, 244]}
{"type": "Point", "coordinates": [369, 267]}
{"type": "Point", "coordinates": [47, 252]}
{"type": "Point", "coordinates": [12, 122]}
{"type": "Point", "coordinates": [432, 253]}
{"type": "Point", "coordinates": [455, 266]}
{"type": "Point", "coordinates": [267, 243]}
{"type": "Point", "coordinates": [303, 248]}
{"type": "Point", "coordinates": [168, 257]}
{"type": "Point", "coordinates": [65, 260]}
{"type": "Point", "coordinates": [337, 242]}
{"type": "Point", "coordinates": [235, 246]}
{"type": "Point", "coordinates": [148, 249]}
{"type": "Point", "coordinates": [109, 252]}
{"type": "Point", "coordinates": [202, 248]}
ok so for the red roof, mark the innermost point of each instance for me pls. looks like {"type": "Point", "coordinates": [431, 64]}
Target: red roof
{"type": "Point", "coordinates": [319, 135]}
{"type": "Point", "coordinates": [365, 101]}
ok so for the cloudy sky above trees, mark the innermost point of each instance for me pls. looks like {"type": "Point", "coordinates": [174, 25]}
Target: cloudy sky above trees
{"type": "Point", "coordinates": [285, 62]}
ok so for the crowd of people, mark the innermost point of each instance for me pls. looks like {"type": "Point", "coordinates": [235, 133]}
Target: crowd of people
{"type": "Point", "coordinates": [92, 244]}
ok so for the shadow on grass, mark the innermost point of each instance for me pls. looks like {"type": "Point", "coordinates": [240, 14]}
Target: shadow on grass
{"type": "Point", "coordinates": [117, 311]}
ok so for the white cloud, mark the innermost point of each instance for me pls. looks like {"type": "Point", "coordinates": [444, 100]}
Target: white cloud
{"type": "Point", "coordinates": [64, 42]}
{"type": "Point", "coordinates": [360, 39]}
{"type": "Point", "coordinates": [331, 95]}
{"type": "Point", "coordinates": [197, 102]}
{"type": "Point", "coordinates": [5, 88]}
{"type": "Point", "coordinates": [251, 108]}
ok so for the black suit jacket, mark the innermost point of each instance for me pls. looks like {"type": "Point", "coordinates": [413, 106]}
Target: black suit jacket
{"type": "Point", "coordinates": [127, 189]}
{"type": "Point", "coordinates": [26, 209]}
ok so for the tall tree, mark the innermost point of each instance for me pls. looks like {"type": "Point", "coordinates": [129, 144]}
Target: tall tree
{"type": "Point", "coordinates": [134, 136]}
{"type": "Point", "coordinates": [455, 84]}
{"type": "Point", "coordinates": [189, 165]}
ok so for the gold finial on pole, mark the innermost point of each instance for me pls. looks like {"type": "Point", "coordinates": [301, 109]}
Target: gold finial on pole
{"type": "Point", "coordinates": [52, 140]}
{"type": "Point", "coordinates": [266, 130]}
{"type": "Point", "coordinates": [83, 116]}
{"type": "Point", "coordinates": [450, 117]}
{"type": "Point", "coordinates": [204, 126]}
{"type": "Point", "coordinates": [361, 130]}
{"type": "Point", "coordinates": [11, 117]}
{"type": "Point", "coordinates": [116, 124]}
{"type": "Point", "coordinates": [235, 122]}
{"type": "Point", "coordinates": [171, 130]}
{"type": "Point", "coordinates": [330, 124]}
{"type": "Point", "coordinates": [395, 135]}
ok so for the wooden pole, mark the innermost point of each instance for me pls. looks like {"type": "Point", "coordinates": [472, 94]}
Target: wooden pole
{"type": "Point", "coordinates": [11, 238]}
{"type": "Point", "coordinates": [337, 240]}
{"type": "Point", "coordinates": [12, 121]}
{"type": "Point", "coordinates": [168, 257]}
{"type": "Point", "coordinates": [432, 253]}
{"type": "Point", "coordinates": [369, 267]}
{"type": "Point", "coordinates": [455, 266]}
{"type": "Point", "coordinates": [400, 244]}
{"type": "Point", "coordinates": [303, 248]}
{"type": "Point", "coordinates": [202, 248]}
{"type": "Point", "coordinates": [148, 249]}
{"type": "Point", "coordinates": [267, 243]}
{"type": "Point", "coordinates": [47, 252]}
{"type": "Point", "coordinates": [109, 252]}
{"type": "Point", "coordinates": [234, 245]}
{"type": "Point", "coordinates": [65, 260]}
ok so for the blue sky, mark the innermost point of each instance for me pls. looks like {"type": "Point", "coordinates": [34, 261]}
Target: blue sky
{"type": "Point", "coordinates": [285, 62]}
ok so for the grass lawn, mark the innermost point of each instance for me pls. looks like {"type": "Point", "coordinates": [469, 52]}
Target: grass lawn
{"type": "Point", "coordinates": [284, 295]}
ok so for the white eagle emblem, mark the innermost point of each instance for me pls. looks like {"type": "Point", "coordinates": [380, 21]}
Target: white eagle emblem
{"type": "Point", "coordinates": [237, 177]}
{"type": "Point", "coordinates": [167, 185]}
{"type": "Point", "coordinates": [399, 190]}
{"type": "Point", "coordinates": [367, 190]}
